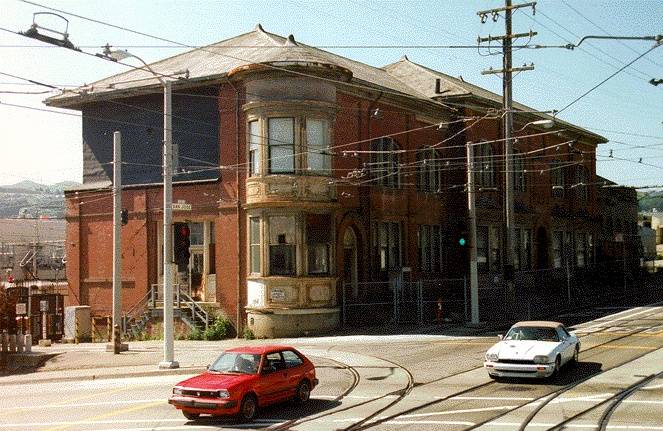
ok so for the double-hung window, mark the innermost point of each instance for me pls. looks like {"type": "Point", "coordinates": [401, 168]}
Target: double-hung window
{"type": "Point", "coordinates": [281, 134]}
{"type": "Point", "coordinates": [317, 141]}
{"type": "Point", "coordinates": [254, 245]}
{"type": "Point", "coordinates": [255, 140]}
{"type": "Point", "coordinates": [430, 248]}
{"type": "Point", "coordinates": [318, 242]}
{"type": "Point", "coordinates": [388, 239]}
{"type": "Point", "coordinates": [385, 162]}
{"type": "Point", "coordinates": [282, 245]}
{"type": "Point", "coordinates": [429, 175]}
{"type": "Point", "coordinates": [484, 165]}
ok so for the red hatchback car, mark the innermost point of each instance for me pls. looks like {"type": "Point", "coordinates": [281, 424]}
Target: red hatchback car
{"type": "Point", "coordinates": [243, 379]}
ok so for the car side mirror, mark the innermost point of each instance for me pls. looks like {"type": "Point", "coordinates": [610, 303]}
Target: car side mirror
{"type": "Point", "coordinates": [500, 337]}
{"type": "Point", "coordinates": [207, 367]}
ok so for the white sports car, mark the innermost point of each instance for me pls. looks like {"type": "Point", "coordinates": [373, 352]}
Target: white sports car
{"type": "Point", "coordinates": [532, 349]}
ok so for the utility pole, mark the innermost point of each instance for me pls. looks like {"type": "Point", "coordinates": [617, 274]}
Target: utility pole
{"type": "Point", "coordinates": [168, 340]}
{"type": "Point", "coordinates": [117, 234]}
{"type": "Point", "coordinates": [472, 223]}
{"type": "Point", "coordinates": [507, 101]}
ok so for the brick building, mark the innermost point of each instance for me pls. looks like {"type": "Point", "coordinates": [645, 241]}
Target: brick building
{"type": "Point", "coordinates": [306, 172]}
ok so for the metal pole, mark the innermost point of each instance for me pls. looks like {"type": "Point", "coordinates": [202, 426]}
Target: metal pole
{"type": "Point", "coordinates": [168, 341]}
{"type": "Point", "coordinates": [508, 155]}
{"type": "Point", "coordinates": [117, 230]}
{"type": "Point", "coordinates": [472, 222]}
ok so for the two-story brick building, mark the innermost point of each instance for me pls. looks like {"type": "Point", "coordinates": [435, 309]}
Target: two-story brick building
{"type": "Point", "coordinates": [307, 171]}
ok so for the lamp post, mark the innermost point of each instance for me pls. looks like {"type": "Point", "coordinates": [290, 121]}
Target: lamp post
{"type": "Point", "coordinates": [168, 338]}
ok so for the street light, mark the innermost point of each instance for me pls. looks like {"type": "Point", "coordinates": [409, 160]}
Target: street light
{"type": "Point", "coordinates": [168, 348]}
{"type": "Point", "coordinates": [546, 124]}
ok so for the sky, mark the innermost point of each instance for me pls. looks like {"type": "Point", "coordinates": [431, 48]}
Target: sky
{"type": "Point", "coordinates": [46, 146]}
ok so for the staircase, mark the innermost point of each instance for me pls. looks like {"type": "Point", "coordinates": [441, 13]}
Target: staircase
{"type": "Point", "coordinates": [150, 308]}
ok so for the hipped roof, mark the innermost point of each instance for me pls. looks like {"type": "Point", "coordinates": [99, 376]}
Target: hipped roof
{"type": "Point", "coordinates": [216, 61]}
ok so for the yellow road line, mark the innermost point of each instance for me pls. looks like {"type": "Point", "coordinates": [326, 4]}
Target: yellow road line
{"type": "Point", "coordinates": [109, 414]}
{"type": "Point", "coordinates": [622, 346]}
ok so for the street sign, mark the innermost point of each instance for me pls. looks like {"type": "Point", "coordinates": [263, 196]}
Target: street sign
{"type": "Point", "coordinates": [21, 308]}
{"type": "Point", "coordinates": [179, 206]}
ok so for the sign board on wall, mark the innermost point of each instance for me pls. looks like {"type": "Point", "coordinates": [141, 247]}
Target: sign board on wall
{"type": "Point", "coordinates": [21, 308]}
{"type": "Point", "coordinates": [277, 294]}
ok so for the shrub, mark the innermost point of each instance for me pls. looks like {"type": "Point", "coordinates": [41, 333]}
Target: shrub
{"type": "Point", "coordinates": [218, 330]}
{"type": "Point", "coordinates": [248, 334]}
{"type": "Point", "coordinates": [195, 334]}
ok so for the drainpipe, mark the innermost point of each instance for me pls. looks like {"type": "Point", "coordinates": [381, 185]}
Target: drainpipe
{"type": "Point", "coordinates": [238, 315]}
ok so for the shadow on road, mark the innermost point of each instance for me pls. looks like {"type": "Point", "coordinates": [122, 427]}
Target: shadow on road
{"type": "Point", "coordinates": [271, 415]}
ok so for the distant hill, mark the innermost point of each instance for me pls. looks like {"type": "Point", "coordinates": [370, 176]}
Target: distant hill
{"type": "Point", "coordinates": [31, 199]}
{"type": "Point", "coordinates": [648, 201]}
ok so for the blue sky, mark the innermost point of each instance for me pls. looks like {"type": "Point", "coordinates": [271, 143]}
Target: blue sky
{"type": "Point", "coordinates": [46, 147]}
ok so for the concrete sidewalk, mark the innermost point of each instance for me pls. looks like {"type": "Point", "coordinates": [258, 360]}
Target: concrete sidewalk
{"type": "Point", "coordinates": [90, 361]}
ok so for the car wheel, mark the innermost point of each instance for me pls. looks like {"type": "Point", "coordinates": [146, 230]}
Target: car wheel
{"type": "Point", "coordinates": [558, 365]}
{"type": "Point", "coordinates": [576, 353]}
{"type": "Point", "coordinates": [303, 392]}
{"type": "Point", "coordinates": [191, 416]}
{"type": "Point", "coordinates": [248, 408]}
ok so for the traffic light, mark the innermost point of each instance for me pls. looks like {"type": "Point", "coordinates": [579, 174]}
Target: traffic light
{"type": "Point", "coordinates": [124, 216]}
{"type": "Point", "coordinates": [181, 243]}
{"type": "Point", "coordinates": [462, 238]}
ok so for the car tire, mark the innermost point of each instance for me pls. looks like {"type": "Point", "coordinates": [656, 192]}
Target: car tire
{"type": "Point", "coordinates": [191, 416]}
{"type": "Point", "coordinates": [576, 353]}
{"type": "Point", "coordinates": [248, 408]}
{"type": "Point", "coordinates": [558, 365]}
{"type": "Point", "coordinates": [303, 393]}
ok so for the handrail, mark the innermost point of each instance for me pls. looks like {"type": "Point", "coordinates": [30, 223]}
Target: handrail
{"type": "Point", "coordinates": [137, 309]}
{"type": "Point", "coordinates": [196, 310]}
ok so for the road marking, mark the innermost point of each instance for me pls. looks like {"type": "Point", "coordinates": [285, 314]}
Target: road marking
{"type": "Point", "coordinates": [490, 398]}
{"type": "Point", "coordinates": [621, 346]}
{"type": "Point", "coordinates": [100, 403]}
{"type": "Point", "coordinates": [112, 413]}
{"type": "Point", "coordinates": [128, 421]}
{"type": "Point", "coordinates": [455, 412]}
{"type": "Point", "coordinates": [514, 425]}
{"type": "Point", "coordinates": [608, 320]}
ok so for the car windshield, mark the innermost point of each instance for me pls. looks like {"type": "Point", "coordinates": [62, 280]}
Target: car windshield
{"type": "Point", "coordinates": [532, 333]}
{"type": "Point", "coordinates": [233, 362]}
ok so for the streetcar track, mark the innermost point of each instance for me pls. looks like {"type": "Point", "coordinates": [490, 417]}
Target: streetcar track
{"type": "Point", "coordinates": [489, 383]}
{"type": "Point", "coordinates": [607, 414]}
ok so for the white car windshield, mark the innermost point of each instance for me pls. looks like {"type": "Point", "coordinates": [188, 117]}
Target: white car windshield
{"type": "Point", "coordinates": [231, 362]}
{"type": "Point", "coordinates": [532, 333]}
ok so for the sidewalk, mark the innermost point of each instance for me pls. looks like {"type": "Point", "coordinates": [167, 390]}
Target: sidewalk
{"type": "Point", "coordinates": [90, 361]}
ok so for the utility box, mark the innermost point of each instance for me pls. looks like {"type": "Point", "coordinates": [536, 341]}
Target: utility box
{"type": "Point", "coordinates": [77, 326]}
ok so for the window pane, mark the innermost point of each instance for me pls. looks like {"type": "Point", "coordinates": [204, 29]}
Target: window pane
{"type": "Point", "coordinates": [281, 144]}
{"type": "Point", "coordinates": [558, 239]}
{"type": "Point", "coordinates": [254, 148]}
{"type": "Point", "coordinates": [495, 256]}
{"type": "Point", "coordinates": [395, 246]}
{"type": "Point", "coordinates": [196, 230]}
{"type": "Point", "coordinates": [316, 139]}
{"type": "Point", "coordinates": [517, 248]}
{"type": "Point", "coordinates": [254, 241]}
{"type": "Point", "coordinates": [482, 248]}
{"type": "Point", "coordinates": [282, 245]}
{"type": "Point", "coordinates": [291, 359]}
{"type": "Point", "coordinates": [318, 238]}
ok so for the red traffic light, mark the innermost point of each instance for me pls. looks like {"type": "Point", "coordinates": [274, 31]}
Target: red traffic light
{"type": "Point", "coordinates": [185, 231]}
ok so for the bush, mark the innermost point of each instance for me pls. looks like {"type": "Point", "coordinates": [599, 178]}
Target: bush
{"type": "Point", "coordinates": [195, 334]}
{"type": "Point", "coordinates": [217, 330]}
{"type": "Point", "coordinates": [248, 334]}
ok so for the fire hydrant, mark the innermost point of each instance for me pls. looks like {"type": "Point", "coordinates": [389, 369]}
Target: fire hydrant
{"type": "Point", "coordinates": [117, 342]}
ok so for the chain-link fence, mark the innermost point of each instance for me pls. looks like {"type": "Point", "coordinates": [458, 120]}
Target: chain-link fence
{"type": "Point", "coordinates": [537, 294]}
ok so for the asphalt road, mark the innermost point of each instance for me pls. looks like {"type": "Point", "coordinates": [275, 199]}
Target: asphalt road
{"type": "Point", "coordinates": [413, 382]}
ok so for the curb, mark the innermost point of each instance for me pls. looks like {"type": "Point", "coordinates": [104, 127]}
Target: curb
{"type": "Point", "coordinates": [176, 371]}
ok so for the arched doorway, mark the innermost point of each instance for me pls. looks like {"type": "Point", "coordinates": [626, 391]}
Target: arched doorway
{"type": "Point", "coordinates": [542, 248]}
{"type": "Point", "coordinates": [350, 261]}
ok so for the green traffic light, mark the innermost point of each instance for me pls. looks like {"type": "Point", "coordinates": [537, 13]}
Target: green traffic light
{"type": "Point", "coordinates": [462, 241]}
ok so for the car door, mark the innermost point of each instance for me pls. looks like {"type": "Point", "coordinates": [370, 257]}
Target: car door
{"type": "Point", "coordinates": [272, 383]}
{"type": "Point", "coordinates": [565, 345]}
{"type": "Point", "coordinates": [296, 370]}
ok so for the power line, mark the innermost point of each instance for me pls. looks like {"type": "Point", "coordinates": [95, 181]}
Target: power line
{"type": "Point", "coordinates": [609, 77]}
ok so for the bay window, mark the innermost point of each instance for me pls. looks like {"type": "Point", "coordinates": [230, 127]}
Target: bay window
{"type": "Point", "coordinates": [318, 242]}
{"type": "Point", "coordinates": [281, 143]}
{"type": "Point", "coordinates": [317, 142]}
{"type": "Point", "coordinates": [282, 245]}
{"type": "Point", "coordinates": [254, 148]}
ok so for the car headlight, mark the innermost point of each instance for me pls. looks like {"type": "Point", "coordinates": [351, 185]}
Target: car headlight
{"type": "Point", "coordinates": [177, 391]}
{"type": "Point", "coordinates": [492, 357]}
{"type": "Point", "coordinates": [541, 359]}
{"type": "Point", "coordinates": [223, 394]}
